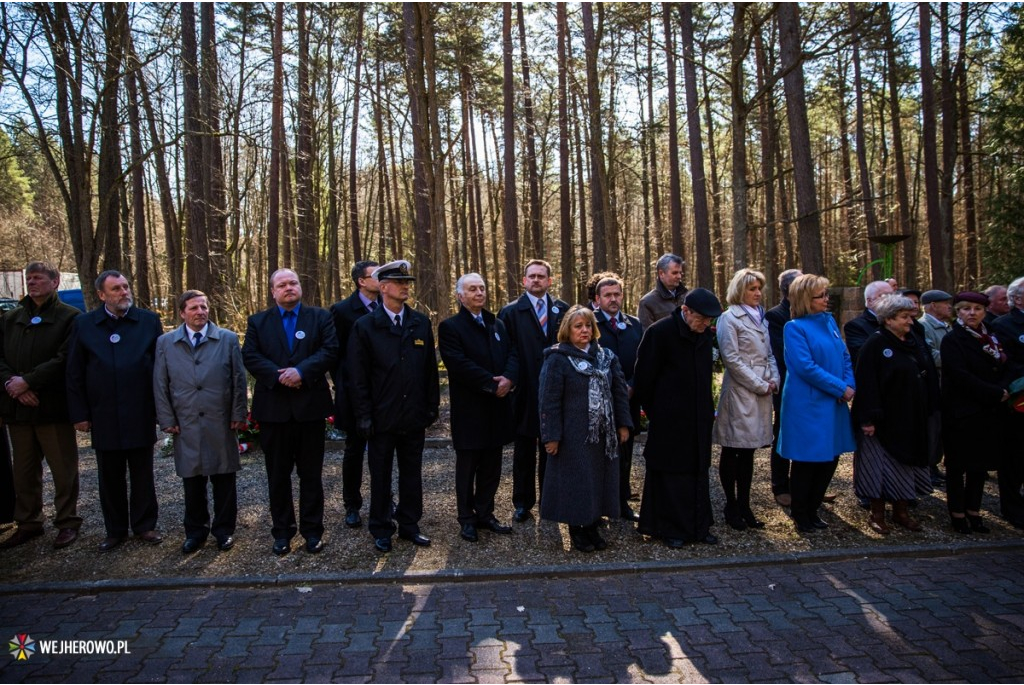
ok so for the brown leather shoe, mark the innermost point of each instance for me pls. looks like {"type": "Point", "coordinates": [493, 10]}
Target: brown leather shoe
{"type": "Point", "coordinates": [65, 537]}
{"type": "Point", "coordinates": [110, 543]}
{"type": "Point", "coordinates": [784, 499]}
{"type": "Point", "coordinates": [151, 537]}
{"type": "Point", "coordinates": [829, 497]}
{"type": "Point", "coordinates": [20, 537]}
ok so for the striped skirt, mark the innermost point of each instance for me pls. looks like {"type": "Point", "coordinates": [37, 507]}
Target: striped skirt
{"type": "Point", "coordinates": [876, 475]}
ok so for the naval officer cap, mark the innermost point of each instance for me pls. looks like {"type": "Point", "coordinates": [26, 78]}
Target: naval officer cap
{"type": "Point", "coordinates": [397, 270]}
{"type": "Point", "coordinates": [704, 302]}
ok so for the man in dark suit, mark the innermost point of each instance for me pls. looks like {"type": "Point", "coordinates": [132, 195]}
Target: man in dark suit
{"type": "Point", "coordinates": [856, 331]}
{"type": "Point", "coordinates": [998, 304]}
{"type": "Point", "coordinates": [482, 370]}
{"type": "Point", "coordinates": [395, 396]}
{"type": "Point", "coordinates": [532, 322]}
{"type": "Point", "coordinates": [345, 314]}
{"type": "Point", "coordinates": [289, 349]}
{"type": "Point", "coordinates": [1009, 330]}
{"type": "Point", "coordinates": [777, 317]}
{"type": "Point", "coordinates": [620, 333]}
{"type": "Point", "coordinates": [110, 392]}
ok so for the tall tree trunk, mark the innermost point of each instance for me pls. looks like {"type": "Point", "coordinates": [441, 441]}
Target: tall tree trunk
{"type": "Point", "coordinates": [738, 54]}
{"type": "Point", "coordinates": [197, 242]}
{"type": "Point", "coordinates": [769, 134]}
{"type": "Point", "coordinates": [353, 197]}
{"type": "Point", "coordinates": [143, 294]}
{"type": "Point", "coordinates": [109, 184]}
{"type": "Point", "coordinates": [333, 226]}
{"type": "Point", "coordinates": [941, 268]}
{"type": "Point", "coordinates": [702, 221]}
{"type": "Point", "coordinates": [510, 215]}
{"type": "Point", "coordinates": [276, 142]}
{"type": "Point", "coordinates": [585, 263]}
{"type": "Point", "coordinates": [717, 240]}
{"type": "Point", "coordinates": [308, 236]}
{"type": "Point", "coordinates": [568, 285]}
{"type": "Point", "coordinates": [598, 181]}
{"type": "Point", "coordinates": [436, 285]}
{"type": "Point", "coordinates": [970, 204]}
{"type": "Point", "coordinates": [808, 219]}
{"type": "Point", "coordinates": [675, 192]}
{"type": "Point", "coordinates": [213, 166]}
{"type": "Point", "coordinates": [900, 159]}
{"type": "Point", "coordinates": [866, 191]}
{"type": "Point", "coordinates": [849, 229]}
{"type": "Point", "coordinates": [949, 143]}
{"type": "Point", "coordinates": [535, 233]}
{"type": "Point", "coordinates": [652, 151]}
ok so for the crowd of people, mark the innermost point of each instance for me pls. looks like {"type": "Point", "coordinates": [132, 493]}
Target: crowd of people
{"type": "Point", "coordinates": [906, 392]}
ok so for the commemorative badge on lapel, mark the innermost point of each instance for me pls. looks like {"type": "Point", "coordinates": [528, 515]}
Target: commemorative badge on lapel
{"type": "Point", "coordinates": [300, 335]}
{"type": "Point", "coordinates": [36, 320]}
{"type": "Point", "coordinates": [418, 342]}
{"type": "Point", "coordinates": [115, 338]}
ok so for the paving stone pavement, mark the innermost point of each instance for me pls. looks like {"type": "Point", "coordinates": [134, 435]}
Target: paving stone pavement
{"type": "Point", "coordinates": [954, 618]}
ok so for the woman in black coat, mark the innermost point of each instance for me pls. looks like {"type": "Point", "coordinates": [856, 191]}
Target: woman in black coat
{"type": "Point", "coordinates": [584, 416]}
{"type": "Point", "coordinates": [974, 410]}
{"type": "Point", "coordinates": [892, 408]}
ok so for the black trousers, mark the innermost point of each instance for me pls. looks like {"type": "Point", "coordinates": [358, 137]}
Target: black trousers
{"type": "Point", "coordinates": [528, 462]}
{"type": "Point", "coordinates": [352, 471]}
{"type": "Point", "coordinates": [122, 513]}
{"type": "Point", "coordinates": [6, 479]}
{"type": "Point", "coordinates": [225, 506]}
{"type": "Point", "coordinates": [779, 466]}
{"type": "Point", "coordinates": [298, 446]}
{"type": "Point", "coordinates": [964, 487]}
{"type": "Point", "coordinates": [808, 482]}
{"type": "Point", "coordinates": [625, 470]}
{"type": "Point", "coordinates": [477, 473]}
{"type": "Point", "coordinates": [736, 472]}
{"type": "Point", "coordinates": [384, 448]}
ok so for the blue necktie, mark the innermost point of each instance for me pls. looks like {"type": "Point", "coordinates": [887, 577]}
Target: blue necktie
{"type": "Point", "coordinates": [289, 328]}
{"type": "Point", "coordinates": [480, 320]}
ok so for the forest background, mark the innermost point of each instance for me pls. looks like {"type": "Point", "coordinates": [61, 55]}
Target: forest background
{"type": "Point", "coordinates": [205, 145]}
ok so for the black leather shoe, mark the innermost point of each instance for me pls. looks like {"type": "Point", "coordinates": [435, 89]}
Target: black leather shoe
{"type": "Point", "coordinates": [580, 539]}
{"type": "Point", "coordinates": [314, 545]}
{"type": "Point", "coordinates": [225, 543]}
{"type": "Point", "coordinates": [818, 523]}
{"type": "Point", "coordinates": [628, 514]}
{"type": "Point", "coordinates": [805, 527]}
{"type": "Point", "coordinates": [522, 514]}
{"type": "Point", "coordinates": [20, 537]}
{"type": "Point", "coordinates": [709, 539]}
{"type": "Point", "coordinates": [110, 543]}
{"type": "Point", "coordinates": [495, 526]}
{"type": "Point", "coordinates": [675, 543]}
{"type": "Point", "coordinates": [151, 537]}
{"type": "Point", "coordinates": [468, 533]}
{"type": "Point", "coordinates": [282, 546]}
{"type": "Point", "coordinates": [418, 539]}
{"type": "Point", "coordinates": [192, 545]}
{"type": "Point", "coordinates": [352, 518]}
{"type": "Point", "coordinates": [382, 544]}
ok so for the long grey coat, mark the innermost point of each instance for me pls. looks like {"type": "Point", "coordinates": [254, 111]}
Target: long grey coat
{"type": "Point", "coordinates": [745, 406]}
{"type": "Point", "coordinates": [581, 483]}
{"type": "Point", "coordinates": [201, 390]}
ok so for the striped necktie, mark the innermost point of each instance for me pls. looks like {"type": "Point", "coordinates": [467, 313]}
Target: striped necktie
{"type": "Point", "coordinates": [542, 315]}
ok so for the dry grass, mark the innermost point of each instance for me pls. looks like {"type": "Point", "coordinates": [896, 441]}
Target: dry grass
{"type": "Point", "coordinates": [534, 544]}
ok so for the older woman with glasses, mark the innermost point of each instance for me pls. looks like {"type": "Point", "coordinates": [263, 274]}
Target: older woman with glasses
{"type": "Point", "coordinates": [974, 410]}
{"type": "Point", "coordinates": [815, 427]}
{"type": "Point", "coordinates": [892, 408]}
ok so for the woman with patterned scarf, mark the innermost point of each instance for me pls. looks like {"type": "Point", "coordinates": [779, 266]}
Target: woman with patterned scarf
{"type": "Point", "coordinates": [974, 410]}
{"type": "Point", "coordinates": [584, 415]}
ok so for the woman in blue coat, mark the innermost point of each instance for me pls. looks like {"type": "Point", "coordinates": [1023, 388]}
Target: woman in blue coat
{"type": "Point", "coordinates": [815, 427]}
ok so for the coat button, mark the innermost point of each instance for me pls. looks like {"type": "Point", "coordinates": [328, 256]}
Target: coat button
{"type": "Point", "coordinates": [197, 362]}
{"type": "Point", "coordinates": [202, 413]}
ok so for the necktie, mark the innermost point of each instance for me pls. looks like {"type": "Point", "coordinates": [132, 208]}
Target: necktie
{"type": "Point", "coordinates": [196, 337]}
{"type": "Point", "coordinates": [542, 315]}
{"type": "Point", "coordinates": [480, 320]}
{"type": "Point", "coordinates": [289, 329]}
{"type": "Point", "coordinates": [372, 306]}
{"type": "Point", "coordinates": [398, 321]}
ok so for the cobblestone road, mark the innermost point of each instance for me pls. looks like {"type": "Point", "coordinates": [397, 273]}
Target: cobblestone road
{"type": "Point", "coordinates": [954, 618]}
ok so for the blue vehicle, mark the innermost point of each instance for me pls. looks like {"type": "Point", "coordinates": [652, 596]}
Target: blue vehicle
{"type": "Point", "coordinates": [72, 297]}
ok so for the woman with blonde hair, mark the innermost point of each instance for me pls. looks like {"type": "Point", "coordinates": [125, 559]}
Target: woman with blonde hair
{"type": "Point", "coordinates": [584, 415]}
{"type": "Point", "coordinates": [744, 421]}
{"type": "Point", "coordinates": [815, 427]}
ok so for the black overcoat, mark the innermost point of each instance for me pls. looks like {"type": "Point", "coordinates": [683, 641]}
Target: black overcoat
{"type": "Point", "coordinates": [973, 416]}
{"type": "Point", "coordinates": [520, 320]}
{"type": "Point", "coordinates": [856, 332]}
{"type": "Point", "coordinates": [893, 395]}
{"type": "Point", "coordinates": [1009, 330]}
{"type": "Point", "coordinates": [778, 317]}
{"type": "Point", "coordinates": [111, 383]}
{"type": "Point", "coordinates": [314, 353]}
{"type": "Point", "coordinates": [673, 381]}
{"type": "Point", "coordinates": [474, 355]}
{"type": "Point", "coordinates": [345, 315]}
{"type": "Point", "coordinates": [395, 385]}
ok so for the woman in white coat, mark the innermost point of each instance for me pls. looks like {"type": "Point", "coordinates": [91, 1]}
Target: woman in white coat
{"type": "Point", "coordinates": [744, 421]}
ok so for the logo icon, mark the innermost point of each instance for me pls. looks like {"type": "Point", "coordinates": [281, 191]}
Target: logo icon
{"type": "Point", "coordinates": [22, 647]}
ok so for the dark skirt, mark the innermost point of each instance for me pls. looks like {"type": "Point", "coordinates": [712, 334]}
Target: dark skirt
{"type": "Point", "coordinates": [676, 505]}
{"type": "Point", "coordinates": [877, 475]}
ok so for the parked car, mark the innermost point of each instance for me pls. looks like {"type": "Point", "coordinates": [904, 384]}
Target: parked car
{"type": "Point", "coordinates": [7, 304]}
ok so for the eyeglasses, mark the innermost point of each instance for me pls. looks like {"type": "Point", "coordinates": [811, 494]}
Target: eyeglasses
{"type": "Point", "coordinates": [823, 296]}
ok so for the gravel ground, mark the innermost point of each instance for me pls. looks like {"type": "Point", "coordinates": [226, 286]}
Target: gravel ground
{"type": "Point", "coordinates": [534, 544]}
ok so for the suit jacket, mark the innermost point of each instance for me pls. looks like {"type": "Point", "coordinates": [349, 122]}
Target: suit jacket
{"type": "Point", "coordinates": [314, 354]}
{"type": "Point", "coordinates": [393, 371]}
{"type": "Point", "coordinates": [473, 356]}
{"type": "Point", "coordinates": [530, 341]}
{"type": "Point", "coordinates": [345, 315]}
{"type": "Point", "coordinates": [624, 343]}
{"type": "Point", "coordinates": [856, 332]}
{"type": "Point", "coordinates": [110, 377]}
{"type": "Point", "coordinates": [201, 389]}
{"type": "Point", "coordinates": [1009, 330]}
